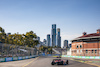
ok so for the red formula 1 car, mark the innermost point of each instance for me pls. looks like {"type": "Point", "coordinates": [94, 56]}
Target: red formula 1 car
{"type": "Point", "coordinates": [59, 62]}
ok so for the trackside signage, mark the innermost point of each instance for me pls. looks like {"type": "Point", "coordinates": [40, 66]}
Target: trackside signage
{"type": "Point", "coordinates": [2, 59]}
{"type": "Point", "coordinates": [34, 56]}
{"type": "Point", "coordinates": [23, 57]}
{"type": "Point", "coordinates": [26, 57]}
{"type": "Point", "coordinates": [92, 57]}
{"type": "Point", "coordinates": [19, 58]}
{"type": "Point", "coordinates": [97, 57]}
{"type": "Point", "coordinates": [49, 54]}
{"type": "Point", "coordinates": [30, 56]}
{"type": "Point", "coordinates": [85, 57]}
{"type": "Point", "coordinates": [43, 54]}
{"type": "Point", "coordinates": [15, 58]}
{"type": "Point", "coordinates": [9, 59]}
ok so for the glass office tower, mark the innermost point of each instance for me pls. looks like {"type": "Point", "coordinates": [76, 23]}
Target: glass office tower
{"type": "Point", "coordinates": [65, 43]}
{"type": "Point", "coordinates": [53, 35]}
{"type": "Point", "coordinates": [58, 38]}
{"type": "Point", "coordinates": [48, 40]}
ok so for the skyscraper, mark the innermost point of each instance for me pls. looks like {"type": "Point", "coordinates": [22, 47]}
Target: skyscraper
{"type": "Point", "coordinates": [58, 38]}
{"type": "Point", "coordinates": [60, 41]}
{"type": "Point", "coordinates": [53, 35]}
{"type": "Point", "coordinates": [48, 40]}
{"type": "Point", "coordinates": [65, 43]}
{"type": "Point", "coordinates": [44, 42]}
{"type": "Point", "coordinates": [38, 38]}
{"type": "Point", "coordinates": [8, 34]}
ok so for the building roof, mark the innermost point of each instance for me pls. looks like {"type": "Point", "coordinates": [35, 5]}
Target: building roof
{"type": "Point", "coordinates": [87, 36]}
{"type": "Point", "coordinates": [90, 35]}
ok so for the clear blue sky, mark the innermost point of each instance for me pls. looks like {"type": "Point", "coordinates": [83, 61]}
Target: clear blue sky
{"type": "Point", "coordinates": [73, 17]}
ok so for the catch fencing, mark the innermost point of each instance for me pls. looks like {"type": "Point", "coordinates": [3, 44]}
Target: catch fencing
{"type": "Point", "coordinates": [9, 50]}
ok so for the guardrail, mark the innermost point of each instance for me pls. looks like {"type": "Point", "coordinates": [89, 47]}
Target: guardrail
{"type": "Point", "coordinates": [16, 58]}
{"type": "Point", "coordinates": [84, 57]}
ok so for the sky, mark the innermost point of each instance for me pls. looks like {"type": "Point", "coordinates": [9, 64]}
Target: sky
{"type": "Point", "coordinates": [73, 17]}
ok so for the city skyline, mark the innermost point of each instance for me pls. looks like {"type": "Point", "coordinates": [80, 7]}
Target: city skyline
{"type": "Point", "coordinates": [72, 17]}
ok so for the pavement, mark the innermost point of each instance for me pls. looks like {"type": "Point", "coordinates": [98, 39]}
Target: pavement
{"type": "Point", "coordinates": [45, 62]}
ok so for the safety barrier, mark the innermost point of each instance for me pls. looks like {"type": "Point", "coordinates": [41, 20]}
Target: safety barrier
{"type": "Point", "coordinates": [84, 57]}
{"type": "Point", "coordinates": [43, 54]}
{"type": "Point", "coordinates": [16, 58]}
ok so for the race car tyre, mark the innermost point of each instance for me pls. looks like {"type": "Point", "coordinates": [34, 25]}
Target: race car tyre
{"type": "Point", "coordinates": [57, 63]}
{"type": "Point", "coordinates": [61, 62]}
{"type": "Point", "coordinates": [67, 62]}
{"type": "Point", "coordinates": [52, 63]}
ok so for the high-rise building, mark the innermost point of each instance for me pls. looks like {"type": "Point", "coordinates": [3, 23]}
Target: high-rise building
{"type": "Point", "coordinates": [65, 43]}
{"type": "Point", "coordinates": [8, 34]}
{"type": "Point", "coordinates": [58, 38]}
{"type": "Point", "coordinates": [53, 35]}
{"type": "Point", "coordinates": [60, 41]}
{"type": "Point", "coordinates": [44, 42]}
{"type": "Point", "coordinates": [48, 40]}
{"type": "Point", "coordinates": [38, 38]}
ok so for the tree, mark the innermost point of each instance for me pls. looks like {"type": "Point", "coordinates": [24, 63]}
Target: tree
{"type": "Point", "coordinates": [43, 48]}
{"type": "Point", "coordinates": [29, 39]}
{"type": "Point", "coordinates": [19, 39]}
{"type": "Point", "coordinates": [2, 35]}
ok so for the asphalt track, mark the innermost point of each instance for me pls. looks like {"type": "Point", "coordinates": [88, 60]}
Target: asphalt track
{"type": "Point", "coordinates": [43, 62]}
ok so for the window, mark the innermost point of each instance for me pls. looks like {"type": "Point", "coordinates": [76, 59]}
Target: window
{"type": "Point", "coordinates": [77, 46]}
{"type": "Point", "coordinates": [92, 51]}
{"type": "Point", "coordinates": [81, 51]}
{"type": "Point", "coordinates": [95, 51]}
{"type": "Point", "coordinates": [77, 51]}
{"type": "Point", "coordinates": [86, 51]}
{"type": "Point", "coordinates": [80, 46]}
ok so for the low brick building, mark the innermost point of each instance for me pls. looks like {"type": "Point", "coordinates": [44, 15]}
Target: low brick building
{"type": "Point", "coordinates": [87, 45]}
